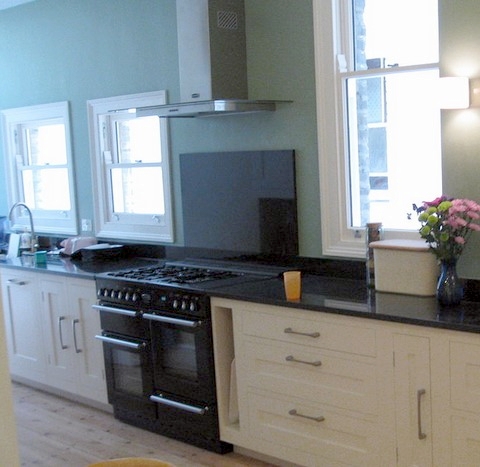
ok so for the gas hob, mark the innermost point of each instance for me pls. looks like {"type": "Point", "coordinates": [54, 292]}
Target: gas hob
{"type": "Point", "coordinates": [183, 275]}
{"type": "Point", "coordinates": [173, 274]}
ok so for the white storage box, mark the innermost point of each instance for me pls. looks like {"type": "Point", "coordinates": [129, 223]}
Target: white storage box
{"type": "Point", "coordinates": [405, 266]}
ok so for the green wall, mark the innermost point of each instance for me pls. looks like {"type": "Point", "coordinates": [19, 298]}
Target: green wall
{"type": "Point", "coordinates": [460, 56]}
{"type": "Point", "coordinates": [76, 50]}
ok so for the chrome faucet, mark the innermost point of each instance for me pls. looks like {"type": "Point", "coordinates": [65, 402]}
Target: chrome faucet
{"type": "Point", "coordinates": [33, 241]}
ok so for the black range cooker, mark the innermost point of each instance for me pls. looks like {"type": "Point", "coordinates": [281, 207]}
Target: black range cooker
{"type": "Point", "coordinates": [158, 349]}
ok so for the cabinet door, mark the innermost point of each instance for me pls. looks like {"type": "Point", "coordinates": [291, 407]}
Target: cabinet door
{"type": "Point", "coordinates": [23, 325]}
{"type": "Point", "coordinates": [58, 333]}
{"type": "Point", "coordinates": [412, 400]}
{"type": "Point", "coordinates": [464, 402]}
{"type": "Point", "coordinates": [87, 349]}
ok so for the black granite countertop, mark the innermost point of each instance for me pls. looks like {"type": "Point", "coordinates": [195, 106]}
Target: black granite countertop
{"type": "Point", "coordinates": [327, 286]}
{"type": "Point", "coordinates": [83, 269]}
{"type": "Point", "coordinates": [353, 298]}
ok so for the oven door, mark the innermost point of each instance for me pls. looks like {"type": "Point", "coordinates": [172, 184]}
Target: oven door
{"type": "Point", "coordinates": [182, 352]}
{"type": "Point", "coordinates": [128, 370]}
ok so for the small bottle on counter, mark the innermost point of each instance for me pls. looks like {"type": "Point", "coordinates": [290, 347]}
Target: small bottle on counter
{"type": "Point", "coordinates": [373, 233]}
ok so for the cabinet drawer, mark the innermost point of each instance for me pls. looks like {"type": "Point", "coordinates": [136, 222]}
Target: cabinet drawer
{"type": "Point", "coordinates": [332, 436]}
{"type": "Point", "coordinates": [333, 378]}
{"type": "Point", "coordinates": [465, 376]}
{"type": "Point", "coordinates": [466, 442]}
{"type": "Point", "coordinates": [323, 332]}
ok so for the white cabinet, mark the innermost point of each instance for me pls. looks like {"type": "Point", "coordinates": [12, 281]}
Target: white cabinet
{"type": "Point", "coordinates": [310, 389]}
{"type": "Point", "coordinates": [311, 384]}
{"type": "Point", "coordinates": [436, 395]}
{"type": "Point", "coordinates": [23, 324]}
{"type": "Point", "coordinates": [89, 351]}
{"type": "Point", "coordinates": [461, 408]}
{"type": "Point", "coordinates": [413, 411]}
{"type": "Point", "coordinates": [320, 389]}
{"type": "Point", "coordinates": [57, 320]}
{"type": "Point", "coordinates": [74, 356]}
{"type": "Point", "coordinates": [50, 328]}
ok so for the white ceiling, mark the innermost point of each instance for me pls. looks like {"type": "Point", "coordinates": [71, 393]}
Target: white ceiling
{"type": "Point", "coordinates": [4, 4]}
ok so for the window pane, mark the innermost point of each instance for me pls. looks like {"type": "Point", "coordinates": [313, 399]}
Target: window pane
{"type": "Point", "coordinates": [47, 189]}
{"type": "Point", "coordinates": [377, 148]}
{"type": "Point", "coordinates": [402, 32]}
{"type": "Point", "coordinates": [46, 145]}
{"type": "Point", "coordinates": [139, 140]}
{"type": "Point", "coordinates": [131, 196]}
{"type": "Point", "coordinates": [395, 163]}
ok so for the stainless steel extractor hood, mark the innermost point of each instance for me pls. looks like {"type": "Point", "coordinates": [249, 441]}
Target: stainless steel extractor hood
{"type": "Point", "coordinates": [208, 108]}
{"type": "Point", "coordinates": [212, 62]}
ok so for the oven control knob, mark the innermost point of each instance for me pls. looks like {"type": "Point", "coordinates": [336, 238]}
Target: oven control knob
{"type": "Point", "coordinates": [193, 306]}
{"type": "Point", "coordinates": [184, 305]}
{"type": "Point", "coordinates": [119, 294]}
{"type": "Point", "coordinates": [175, 304]}
{"type": "Point", "coordinates": [112, 293]}
{"type": "Point", "coordinates": [106, 292]}
{"type": "Point", "coordinates": [127, 295]}
{"type": "Point", "coordinates": [134, 297]}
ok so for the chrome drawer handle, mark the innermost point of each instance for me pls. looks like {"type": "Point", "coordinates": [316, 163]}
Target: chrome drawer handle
{"type": "Point", "coordinates": [16, 282]}
{"type": "Point", "coordinates": [315, 419]}
{"type": "Point", "coordinates": [74, 331]}
{"type": "Point", "coordinates": [60, 334]}
{"type": "Point", "coordinates": [420, 393]}
{"type": "Point", "coordinates": [121, 343]}
{"type": "Point", "coordinates": [177, 321]}
{"type": "Point", "coordinates": [308, 334]}
{"type": "Point", "coordinates": [160, 399]}
{"type": "Point", "coordinates": [118, 311]}
{"type": "Point", "coordinates": [291, 358]}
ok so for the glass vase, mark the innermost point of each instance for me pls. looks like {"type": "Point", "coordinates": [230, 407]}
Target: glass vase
{"type": "Point", "coordinates": [449, 286]}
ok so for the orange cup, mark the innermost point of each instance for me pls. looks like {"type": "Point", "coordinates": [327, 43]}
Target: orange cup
{"type": "Point", "coordinates": [292, 281]}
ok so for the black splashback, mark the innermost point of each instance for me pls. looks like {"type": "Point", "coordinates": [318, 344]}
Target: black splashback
{"type": "Point", "coordinates": [240, 202]}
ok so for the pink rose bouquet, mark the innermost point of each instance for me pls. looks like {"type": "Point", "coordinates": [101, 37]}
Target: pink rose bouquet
{"type": "Point", "coordinates": [446, 225]}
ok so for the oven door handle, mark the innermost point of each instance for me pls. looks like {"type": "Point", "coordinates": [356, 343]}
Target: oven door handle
{"type": "Point", "coordinates": [121, 342]}
{"type": "Point", "coordinates": [159, 398]}
{"type": "Point", "coordinates": [118, 311]}
{"type": "Point", "coordinates": [167, 319]}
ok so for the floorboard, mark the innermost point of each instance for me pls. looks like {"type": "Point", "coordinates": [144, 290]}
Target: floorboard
{"type": "Point", "coordinates": [56, 432]}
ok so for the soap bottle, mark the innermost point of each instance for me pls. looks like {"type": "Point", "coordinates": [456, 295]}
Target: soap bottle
{"type": "Point", "coordinates": [373, 233]}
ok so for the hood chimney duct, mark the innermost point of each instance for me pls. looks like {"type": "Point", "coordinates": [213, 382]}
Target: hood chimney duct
{"type": "Point", "coordinates": [212, 58]}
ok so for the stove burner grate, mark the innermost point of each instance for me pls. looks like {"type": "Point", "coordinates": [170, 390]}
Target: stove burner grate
{"type": "Point", "coordinates": [174, 274]}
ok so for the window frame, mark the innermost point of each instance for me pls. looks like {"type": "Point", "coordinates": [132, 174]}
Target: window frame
{"type": "Point", "coordinates": [332, 21]}
{"type": "Point", "coordinates": [58, 222]}
{"type": "Point", "coordinates": [129, 227]}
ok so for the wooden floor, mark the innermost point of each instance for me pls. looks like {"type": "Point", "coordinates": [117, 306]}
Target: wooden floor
{"type": "Point", "coordinates": [56, 432]}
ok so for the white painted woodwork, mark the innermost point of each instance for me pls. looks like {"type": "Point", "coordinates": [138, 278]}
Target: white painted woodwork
{"type": "Point", "coordinates": [43, 350]}
{"type": "Point", "coordinates": [413, 410]}
{"type": "Point", "coordinates": [367, 388]}
{"type": "Point", "coordinates": [333, 378]}
{"type": "Point", "coordinates": [75, 357]}
{"type": "Point", "coordinates": [23, 324]}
